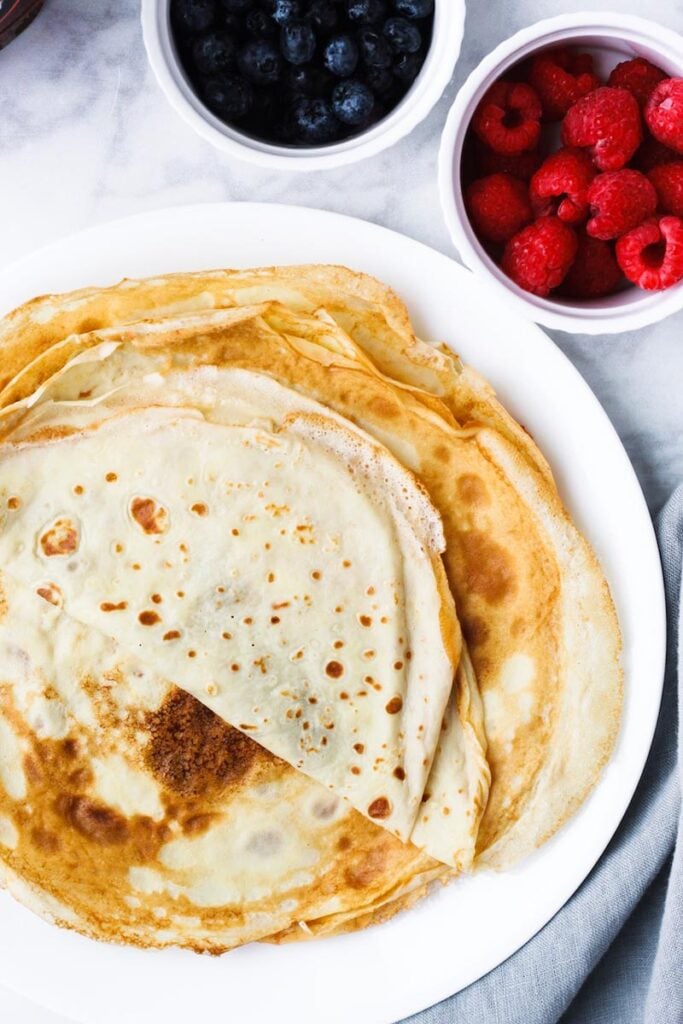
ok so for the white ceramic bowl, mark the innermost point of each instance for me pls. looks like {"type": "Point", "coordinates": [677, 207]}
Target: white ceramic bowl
{"type": "Point", "coordinates": [449, 20]}
{"type": "Point", "coordinates": [611, 37]}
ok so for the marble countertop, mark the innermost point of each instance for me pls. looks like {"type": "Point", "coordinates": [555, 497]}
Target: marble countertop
{"type": "Point", "coordinates": [87, 136]}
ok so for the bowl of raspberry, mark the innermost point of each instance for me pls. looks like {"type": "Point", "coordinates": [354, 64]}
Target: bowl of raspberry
{"type": "Point", "coordinates": [561, 171]}
{"type": "Point", "coordinates": [303, 84]}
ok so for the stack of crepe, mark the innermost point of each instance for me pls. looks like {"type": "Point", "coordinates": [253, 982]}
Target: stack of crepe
{"type": "Point", "coordinates": [293, 621]}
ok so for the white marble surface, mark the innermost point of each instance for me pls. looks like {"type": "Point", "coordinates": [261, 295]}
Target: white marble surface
{"type": "Point", "coordinates": [86, 136]}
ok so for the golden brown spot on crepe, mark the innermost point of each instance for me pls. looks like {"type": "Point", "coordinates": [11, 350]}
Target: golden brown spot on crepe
{"type": "Point", "coordinates": [96, 821]}
{"type": "Point", "coordinates": [235, 532]}
{"type": "Point", "coordinates": [338, 644]}
{"type": "Point", "coordinates": [13, 502]}
{"type": "Point", "coordinates": [472, 490]}
{"type": "Point", "coordinates": [476, 630]}
{"type": "Point", "coordinates": [274, 619]}
{"type": "Point", "coordinates": [150, 517]}
{"type": "Point", "coordinates": [380, 808]}
{"type": "Point", "coordinates": [365, 620]}
{"type": "Point", "coordinates": [384, 408]}
{"type": "Point", "coordinates": [193, 752]}
{"type": "Point", "coordinates": [316, 575]}
{"type": "Point", "coordinates": [394, 706]}
{"type": "Point", "coordinates": [343, 695]}
{"type": "Point", "coordinates": [200, 509]}
{"type": "Point", "coordinates": [368, 869]}
{"type": "Point", "coordinates": [192, 654]}
{"type": "Point", "coordinates": [111, 478]}
{"type": "Point", "coordinates": [45, 840]}
{"type": "Point", "coordinates": [51, 433]}
{"type": "Point", "coordinates": [334, 669]}
{"type": "Point", "coordinates": [110, 606]}
{"type": "Point", "coordinates": [344, 843]}
{"type": "Point", "coordinates": [172, 634]}
{"type": "Point", "coordinates": [197, 823]}
{"type": "Point", "coordinates": [149, 617]}
{"type": "Point", "coordinates": [441, 453]}
{"type": "Point", "coordinates": [399, 773]}
{"type": "Point", "coordinates": [79, 489]}
{"type": "Point", "coordinates": [489, 571]}
{"type": "Point", "coordinates": [398, 665]}
{"type": "Point", "coordinates": [61, 539]}
{"type": "Point", "coordinates": [355, 770]}
{"type": "Point", "coordinates": [50, 593]}
{"type": "Point", "coordinates": [157, 598]}
{"type": "Point", "coordinates": [359, 748]}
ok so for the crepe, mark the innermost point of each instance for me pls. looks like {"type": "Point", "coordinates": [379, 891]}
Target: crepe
{"type": "Point", "coordinates": [130, 812]}
{"type": "Point", "coordinates": [534, 606]}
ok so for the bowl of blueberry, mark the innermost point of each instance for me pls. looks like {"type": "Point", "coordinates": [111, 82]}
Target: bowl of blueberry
{"type": "Point", "coordinates": [303, 84]}
{"type": "Point", "coordinates": [561, 171]}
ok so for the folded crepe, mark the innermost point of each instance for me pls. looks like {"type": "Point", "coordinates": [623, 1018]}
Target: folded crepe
{"type": "Point", "coordinates": [150, 417]}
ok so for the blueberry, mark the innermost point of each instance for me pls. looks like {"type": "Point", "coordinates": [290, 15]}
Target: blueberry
{"type": "Point", "coordinates": [194, 15]}
{"type": "Point", "coordinates": [258, 24]}
{"type": "Point", "coordinates": [214, 53]}
{"type": "Point", "coordinates": [260, 62]}
{"type": "Point", "coordinates": [229, 96]}
{"type": "Point", "coordinates": [352, 102]}
{"type": "Point", "coordinates": [407, 67]}
{"type": "Point", "coordinates": [380, 80]}
{"type": "Point", "coordinates": [297, 42]}
{"type": "Point", "coordinates": [282, 11]}
{"type": "Point", "coordinates": [323, 14]}
{"type": "Point", "coordinates": [374, 48]}
{"type": "Point", "coordinates": [365, 12]}
{"type": "Point", "coordinates": [300, 80]}
{"type": "Point", "coordinates": [404, 37]}
{"type": "Point", "coordinates": [231, 23]}
{"type": "Point", "coordinates": [236, 6]}
{"type": "Point", "coordinates": [312, 121]}
{"type": "Point", "coordinates": [341, 56]}
{"type": "Point", "coordinates": [265, 114]}
{"type": "Point", "coordinates": [309, 81]}
{"type": "Point", "coordinates": [414, 8]}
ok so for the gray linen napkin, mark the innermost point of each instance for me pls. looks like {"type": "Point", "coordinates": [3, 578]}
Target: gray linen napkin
{"type": "Point", "coordinates": [614, 953]}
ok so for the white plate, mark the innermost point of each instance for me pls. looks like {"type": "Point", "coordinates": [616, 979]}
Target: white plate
{"type": "Point", "coordinates": [463, 931]}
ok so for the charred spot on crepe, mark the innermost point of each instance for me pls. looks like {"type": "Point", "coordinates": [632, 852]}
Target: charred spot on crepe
{"type": "Point", "coordinates": [193, 751]}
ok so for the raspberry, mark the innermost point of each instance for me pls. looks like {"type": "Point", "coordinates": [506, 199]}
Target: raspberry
{"type": "Point", "coordinates": [651, 255]}
{"type": "Point", "coordinates": [561, 78]}
{"type": "Point", "coordinates": [652, 153]}
{"type": "Point", "coordinates": [522, 165]}
{"type": "Point", "coordinates": [619, 201]}
{"type": "Point", "coordinates": [498, 206]}
{"type": "Point", "coordinates": [560, 185]}
{"type": "Point", "coordinates": [607, 122]}
{"type": "Point", "coordinates": [594, 272]}
{"type": "Point", "coordinates": [639, 76]}
{"type": "Point", "coordinates": [664, 113]}
{"type": "Point", "coordinates": [508, 118]}
{"type": "Point", "coordinates": [539, 256]}
{"type": "Point", "coordinates": [668, 182]}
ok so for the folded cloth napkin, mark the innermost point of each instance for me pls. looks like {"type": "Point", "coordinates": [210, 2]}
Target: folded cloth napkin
{"type": "Point", "coordinates": [614, 953]}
